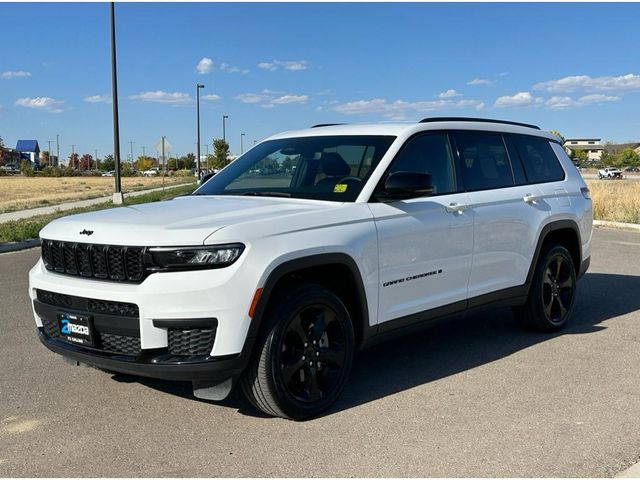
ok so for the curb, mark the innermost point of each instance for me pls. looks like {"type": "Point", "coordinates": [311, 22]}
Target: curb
{"type": "Point", "coordinates": [15, 246]}
{"type": "Point", "coordinates": [619, 225]}
{"type": "Point", "coordinates": [632, 472]}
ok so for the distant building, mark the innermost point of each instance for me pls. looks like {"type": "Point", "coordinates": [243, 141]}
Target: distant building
{"type": "Point", "coordinates": [11, 157]}
{"type": "Point", "coordinates": [29, 150]}
{"type": "Point", "coordinates": [591, 146]}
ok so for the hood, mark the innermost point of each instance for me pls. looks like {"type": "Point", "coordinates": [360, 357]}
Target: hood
{"type": "Point", "coordinates": [182, 221]}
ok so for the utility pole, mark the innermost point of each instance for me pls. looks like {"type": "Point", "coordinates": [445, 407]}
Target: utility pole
{"type": "Point", "coordinates": [96, 158]}
{"type": "Point", "coordinates": [49, 142]}
{"type": "Point", "coordinates": [58, 149]}
{"type": "Point", "coordinates": [164, 166]}
{"type": "Point", "coordinates": [143, 151]}
{"type": "Point", "coordinates": [131, 145]}
{"type": "Point", "coordinates": [198, 87]}
{"type": "Point", "coordinates": [117, 196]}
{"type": "Point", "coordinates": [241, 143]}
{"type": "Point", "coordinates": [73, 151]}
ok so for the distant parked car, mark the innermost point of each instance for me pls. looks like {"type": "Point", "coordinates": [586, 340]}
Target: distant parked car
{"type": "Point", "coordinates": [632, 169]}
{"type": "Point", "coordinates": [610, 173]}
{"type": "Point", "coordinates": [12, 169]}
{"type": "Point", "coordinates": [152, 172]}
{"type": "Point", "coordinates": [110, 173]}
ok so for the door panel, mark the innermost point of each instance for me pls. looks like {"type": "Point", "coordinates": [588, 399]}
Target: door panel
{"type": "Point", "coordinates": [425, 250]}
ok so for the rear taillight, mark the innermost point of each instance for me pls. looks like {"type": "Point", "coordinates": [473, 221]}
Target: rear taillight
{"type": "Point", "coordinates": [585, 193]}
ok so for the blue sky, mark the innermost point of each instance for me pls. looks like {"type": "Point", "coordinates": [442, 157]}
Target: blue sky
{"type": "Point", "coordinates": [272, 67]}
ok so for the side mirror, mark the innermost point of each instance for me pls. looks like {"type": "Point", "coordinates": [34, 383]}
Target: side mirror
{"type": "Point", "coordinates": [206, 177]}
{"type": "Point", "coordinates": [405, 185]}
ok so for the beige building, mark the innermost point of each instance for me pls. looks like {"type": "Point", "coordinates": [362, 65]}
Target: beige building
{"type": "Point", "coordinates": [591, 146]}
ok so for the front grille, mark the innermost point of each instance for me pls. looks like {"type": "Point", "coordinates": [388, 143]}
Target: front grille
{"type": "Point", "coordinates": [196, 341]}
{"type": "Point", "coordinates": [91, 305]}
{"type": "Point", "coordinates": [106, 262]}
{"type": "Point", "coordinates": [120, 344]}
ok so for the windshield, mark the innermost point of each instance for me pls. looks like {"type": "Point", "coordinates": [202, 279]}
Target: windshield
{"type": "Point", "coordinates": [324, 168]}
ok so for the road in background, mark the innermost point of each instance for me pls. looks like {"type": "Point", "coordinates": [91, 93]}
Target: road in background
{"type": "Point", "coordinates": [473, 397]}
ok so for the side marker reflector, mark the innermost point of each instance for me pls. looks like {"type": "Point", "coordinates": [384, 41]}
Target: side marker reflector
{"type": "Point", "coordinates": [254, 302]}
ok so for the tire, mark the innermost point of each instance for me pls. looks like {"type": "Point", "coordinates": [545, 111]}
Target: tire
{"type": "Point", "coordinates": [300, 364]}
{"type": "Point", "coordinates": [552, 292]}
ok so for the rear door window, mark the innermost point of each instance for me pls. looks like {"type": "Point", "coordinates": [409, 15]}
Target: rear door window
{"type": "Point", "coordinates": [540, 162]}
{"type": "Point", "coordinates": [484, 161]}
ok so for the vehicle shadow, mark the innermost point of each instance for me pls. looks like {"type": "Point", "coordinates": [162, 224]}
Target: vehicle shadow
{"type": "Point", "coordinates": [454, 346]}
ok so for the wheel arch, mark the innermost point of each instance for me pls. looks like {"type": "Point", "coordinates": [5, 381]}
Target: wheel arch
{"type": "Point", "coordinates": [558, 232]}
{"type": "Point", "coordinates": [335, 271]}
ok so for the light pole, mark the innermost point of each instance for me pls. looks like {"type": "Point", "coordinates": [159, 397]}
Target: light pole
{"type": "Point", "coordinates": [58, 149]}
{"type": "Point", "coordinates": [131, 148]}
{"type": "Point", "coordinates": [117, 196]}
{"type": "Point", "coordinates": [96, 158]}
{"type": "Point", "coordinates": [241, 143]}
{"type": "Point", "coordinates": [224, 132]}
{"type": "Point", "coordinates": [73, 154]}
{"type": "Point", "coordinates": [49, 142]}
{"type": "Point", "coordinates": [198, 87]}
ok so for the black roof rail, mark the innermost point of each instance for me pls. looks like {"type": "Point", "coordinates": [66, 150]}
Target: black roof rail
{"type": "Point", "coordinates": [471, 119]}
{"type": "Point", "coordinates": [327, 125]}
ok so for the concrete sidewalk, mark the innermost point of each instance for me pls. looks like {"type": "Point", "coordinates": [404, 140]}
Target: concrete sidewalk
{"type": "Point", "coordinates": [32, 212]}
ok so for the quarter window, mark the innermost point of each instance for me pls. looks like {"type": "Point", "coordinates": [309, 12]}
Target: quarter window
{"type": "Point", "coordinates": [540, 163]}
{"type": "Point", "coordinates": [484, 161]}
{"type": "Point", "coordinates": [431, 154]}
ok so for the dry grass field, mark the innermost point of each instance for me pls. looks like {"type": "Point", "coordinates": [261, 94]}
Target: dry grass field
{"type": "Point", "coordinates": [19, 193]}
{"type": "Point", "coordinates": [616, 200]}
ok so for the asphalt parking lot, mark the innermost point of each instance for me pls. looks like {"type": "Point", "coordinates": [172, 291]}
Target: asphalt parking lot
{"type": "Point", "coordinates": [473, 397]}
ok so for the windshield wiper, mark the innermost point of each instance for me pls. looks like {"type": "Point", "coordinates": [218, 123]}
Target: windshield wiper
{"type": "Point", "coordinates": [268, 194]}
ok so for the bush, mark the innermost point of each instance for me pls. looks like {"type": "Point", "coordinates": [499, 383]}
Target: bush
{"type": "Point", "coordinates": [52, 172]}
{"type": "Point", "coordinates": [26, 169]}
{"type": "Point", "coordinates": [182, 173]}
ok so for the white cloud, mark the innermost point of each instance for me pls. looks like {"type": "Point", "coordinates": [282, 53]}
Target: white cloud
{"type": "Point", "coordinates": [520, 99]}
{"type": "Point", "coordinates": [211, 97]}
{"type": "Point", "coordinates": [17, 74]}
{"type": "Point", "coordinates": [175, 98]}
{"type": "Point", "coordinates": [267, 66]}
{"type": "Point", "coordinates": [41, 103]}
{"type": "Point", "coordinates": [97, 99]}
{"type": "Point", "coordinates": [477, 104]}
{"type": "Point", "coordinates": [269, 98]}
{"type": "Point", "coordinates": [449, 94]}
{"type": "Point", "coordinates": [205, 65]}
{"type": "Point", "coordinates": [251, 98]}
{"type": "Point", "coordinates": [622, 83]}
{"type": "Point", "coordinates": [400, 109]}
{"type": "Point", "coordinates": [480, 81]}
{"type": "Point", "coordinates": [225, 67]}
{"type": "Point", "coordinates": [285, 99]}
{"type": "Point", "coordinates": [560, 103]}
{"type": "Point", "coordinates": [291, 65]}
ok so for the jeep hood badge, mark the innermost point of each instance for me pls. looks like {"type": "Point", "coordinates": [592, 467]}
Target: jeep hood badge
{"type": "Point", "coordinates": [86, 232]}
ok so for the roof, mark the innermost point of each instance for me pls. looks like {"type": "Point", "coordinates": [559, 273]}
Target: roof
{"type": "Point", "coordinates": [407, 129]}
{"type": "Point", "coordinates": [27, 146]}
{"type": "Point", "coordinates": [584, 147]}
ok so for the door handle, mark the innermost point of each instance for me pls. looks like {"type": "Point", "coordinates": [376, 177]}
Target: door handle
{"type": "Point", "coordinates": [531, 199]}
{"type": "Point", "coordinates": [456, 208]}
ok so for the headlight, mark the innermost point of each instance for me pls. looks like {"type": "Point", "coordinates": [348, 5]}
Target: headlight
{"type": "Point", "coordinates": [187, 258]}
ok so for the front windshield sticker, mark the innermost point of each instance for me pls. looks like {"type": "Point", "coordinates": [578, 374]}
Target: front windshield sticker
{"type": "Point", "coordinates": [340, 188]}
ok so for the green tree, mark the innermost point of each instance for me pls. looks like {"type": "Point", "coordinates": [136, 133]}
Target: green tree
{"type": "Point", "coordinates": [108, 163]}
{"type": "Point", "coordinates": [559, 135]}
{"type": "Point", "coordinates": [220, 153]}
{"type": "Point", "coordinates": [144, 163]}
{"type": "Point", "coordinates": [579, 156]}
{"type": "Point", "coordinates": [628, 157]}
{"type": "Point", "coordinates": [2, 159]}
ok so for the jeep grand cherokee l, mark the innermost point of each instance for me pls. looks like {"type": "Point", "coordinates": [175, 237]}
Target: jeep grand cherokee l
{"type": "Point", "coordinates": [313, 245]}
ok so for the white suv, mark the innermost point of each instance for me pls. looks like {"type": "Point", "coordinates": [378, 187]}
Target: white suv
{"type": "Point", "coordinates": [315, 244]}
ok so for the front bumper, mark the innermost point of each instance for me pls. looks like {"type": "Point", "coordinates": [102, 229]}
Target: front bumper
{"type": "Point", "coordinates": [151, 363]}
